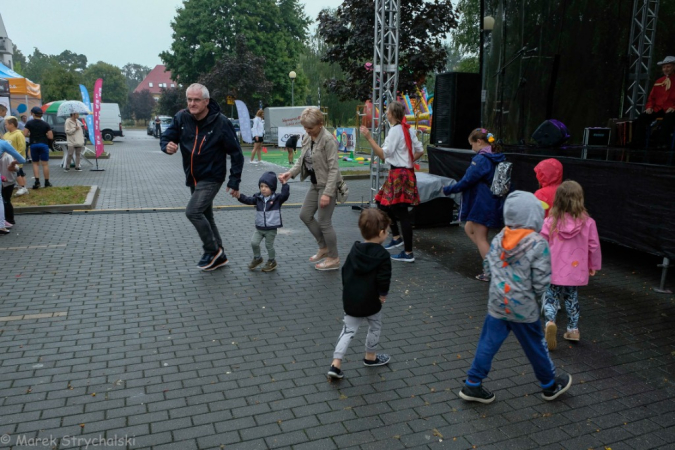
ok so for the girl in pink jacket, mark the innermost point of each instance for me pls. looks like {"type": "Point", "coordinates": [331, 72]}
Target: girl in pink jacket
{"type": "Point", "coordinates": [575, 254]}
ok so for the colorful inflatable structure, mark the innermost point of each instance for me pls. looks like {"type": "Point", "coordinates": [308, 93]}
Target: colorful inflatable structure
{"type": "Point", "coordinates": [419, 112]}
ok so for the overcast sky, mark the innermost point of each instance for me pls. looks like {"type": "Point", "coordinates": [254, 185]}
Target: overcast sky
{"type": "Point", "coordinates": [114, 31]}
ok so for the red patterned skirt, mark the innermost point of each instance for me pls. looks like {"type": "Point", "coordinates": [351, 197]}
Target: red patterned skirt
{"type": "Point", "coordinates": [400, 187]}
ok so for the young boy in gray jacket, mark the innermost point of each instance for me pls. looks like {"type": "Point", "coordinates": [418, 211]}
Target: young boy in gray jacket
{"type": "Point", "coordinates": [519, 266]}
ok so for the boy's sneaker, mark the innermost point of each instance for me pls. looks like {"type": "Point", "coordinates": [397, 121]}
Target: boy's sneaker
{"type": "Point", "coordinates": [220, 262]}
{"type": "Point", "coordinates": [255, 262]}
{"type": "Point", "coordinates": [550, 334]}
{"type": "Point", "coordinates": [394, 243]}
{"type": "Point", "coordinates": [22, 191]}
{"type": "Point", "coordinates": [380, 360]}
{"type": "Point", "coordinates": [78, 169]}
{"type": "Point", "coordinates": [476, 394]}
{"type": "Point", "coordinates": [562, 384]}
{"type": "Point", "coordinates": [269, 266]}
{"type": "Point", "coordinates": [403, 256]}
{"type": "Point", "coordinates": [209, 259]}
{"type": "Point", "coordinates": [66, 169]}
{"type": "Point", "coordinates": [47, 184]}
{"type": "Point", "coordinates": [336, 373]}
{"type": "Point", "coordinates": [37, 184]}
{"type": "Point", "coordinates": [572, 335]}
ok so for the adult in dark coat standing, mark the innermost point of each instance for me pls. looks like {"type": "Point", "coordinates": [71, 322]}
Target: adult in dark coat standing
{"type": "Point", "coordinates": [205, 138]}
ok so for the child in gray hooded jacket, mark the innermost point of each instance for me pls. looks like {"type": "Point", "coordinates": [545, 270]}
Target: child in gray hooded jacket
{"type": "Point", "coordinates": [519, 266]}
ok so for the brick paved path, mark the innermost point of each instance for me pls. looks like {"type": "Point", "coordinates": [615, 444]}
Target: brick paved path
{"type": "Point", "coordinates": [143, 345]}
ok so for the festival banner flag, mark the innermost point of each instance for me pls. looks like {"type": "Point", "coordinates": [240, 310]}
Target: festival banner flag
{"type": "Point", "coordinates": [88, 118]}
{"type": "Point", "coordinates": [244, 122]}
{"type": "Point", "coordinates": [98, 87]}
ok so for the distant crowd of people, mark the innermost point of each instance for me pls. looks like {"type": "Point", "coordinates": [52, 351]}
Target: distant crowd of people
{"type": "Point", "coordinates": [24, 141]}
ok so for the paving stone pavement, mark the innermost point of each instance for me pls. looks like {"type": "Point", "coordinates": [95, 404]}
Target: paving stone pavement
{"type": "Point", "coordinates": [153, 350]}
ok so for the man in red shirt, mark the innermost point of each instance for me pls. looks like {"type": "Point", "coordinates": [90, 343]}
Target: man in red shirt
{"type": "Point", "coordinates": [660, 103]}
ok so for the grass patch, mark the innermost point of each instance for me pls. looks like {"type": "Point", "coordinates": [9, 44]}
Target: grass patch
{"type": "Point", "coordinates": [58, 154]}
{"type": "Point", "coordinates": [63, 195]}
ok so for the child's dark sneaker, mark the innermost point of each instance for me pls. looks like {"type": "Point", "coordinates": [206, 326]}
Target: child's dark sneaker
{"type": "Point", "coordinates": [403, 256]}
{"type": "Point", "coordinates": [380, 360]}
{"type": "Point", "coordinates": [47, 184]}
{"type": "Point", "coordinates": [269, 266]}
{"type": "Point", "coordinates": [336, 373]}
{"type": "Point", "coordinates": [394, 243]}
{"type": "Point", "coordinates": [255, 262]}
{"type": "Point", "coordinates": [562, 384]}
{"type": "Point", "coordinates": [476, 394]}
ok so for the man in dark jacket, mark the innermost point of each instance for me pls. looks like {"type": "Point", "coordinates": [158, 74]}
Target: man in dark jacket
{"type": "Point", "coordinates": [205, 137]}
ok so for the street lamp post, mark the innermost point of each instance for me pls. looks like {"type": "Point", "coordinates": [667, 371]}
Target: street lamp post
{"type": "Point", "coordinates": [292, 76]}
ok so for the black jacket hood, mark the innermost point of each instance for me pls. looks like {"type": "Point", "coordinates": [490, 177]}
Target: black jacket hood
{"type": "Point", "coordinates": [366, 257]}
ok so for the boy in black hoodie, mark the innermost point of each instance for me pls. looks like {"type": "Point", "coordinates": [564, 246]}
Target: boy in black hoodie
{"type": "Point", "coordinates": [366, 276]}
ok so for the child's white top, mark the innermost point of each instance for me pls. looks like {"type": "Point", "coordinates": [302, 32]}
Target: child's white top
{"type": "Point", "coordinates": [395, 150]}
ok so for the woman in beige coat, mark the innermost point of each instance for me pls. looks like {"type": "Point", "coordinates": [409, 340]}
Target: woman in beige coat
{"type": "Point", "coordinates": [318, 161]}
{"type": "Point", "coordinates": [75, 138]}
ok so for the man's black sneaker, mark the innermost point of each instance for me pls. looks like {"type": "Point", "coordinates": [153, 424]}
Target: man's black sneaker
{"type": "Point", "coordinates": [562, 384]}
{"type": "Point", "coordinates": [47, 184]}
{"type": "Point", "coordinates": [220, 262]}
{"type": "Point", "coordinates": [336, 373]}
{"type": "Point", "coordinates": [380, 360]}
{"type": "Point", "coordinates": [37, 184]}
{"type": "Point", "coordinates": [476, 394]}
{"type": "Point", "coordinates": [209, 259]}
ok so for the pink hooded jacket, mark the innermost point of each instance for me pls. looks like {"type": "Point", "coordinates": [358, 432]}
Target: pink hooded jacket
{"type": "Point", "coordinates": [575, 249]}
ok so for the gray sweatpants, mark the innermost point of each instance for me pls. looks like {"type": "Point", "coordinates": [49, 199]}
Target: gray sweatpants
{"type": "Point", "coordinates": [350, 328]}
{"type": "Point", "coordinates": [258, 236]}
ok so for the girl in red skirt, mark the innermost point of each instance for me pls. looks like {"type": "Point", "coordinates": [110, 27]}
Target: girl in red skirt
{"type": "Point", "coordinates": [401, 149]}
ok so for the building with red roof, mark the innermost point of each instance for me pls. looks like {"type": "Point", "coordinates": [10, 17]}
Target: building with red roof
{"type": "Point", "coordinates": [157, 79]}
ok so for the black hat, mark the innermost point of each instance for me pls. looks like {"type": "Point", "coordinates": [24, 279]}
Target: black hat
{"type": "Point", "coordinates": [36, 110]}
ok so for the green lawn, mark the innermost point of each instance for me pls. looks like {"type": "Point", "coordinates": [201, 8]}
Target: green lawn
{"type": "Point", "coordinates": [280, 157]}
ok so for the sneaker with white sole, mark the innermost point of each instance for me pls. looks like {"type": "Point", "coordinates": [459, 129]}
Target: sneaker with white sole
{"type": "Point", "coordinates": [476, 394]}
{"type": "Point", "coordinates": [22, 191]}
{"type": "Point", "coordinates": [403, 256]}
{"type": "Point", "coordinates": [336, 373]}
{"type": "Point", "coordinates": [561, 384]}
{"type": "Point", "coordinates": [380, 360]}
{"type": "Point", "coordinates": [394, 243]}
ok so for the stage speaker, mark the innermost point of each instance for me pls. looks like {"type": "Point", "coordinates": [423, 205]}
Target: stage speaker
{"type": "Point", "coordinates": [551, 133]}
{"type": "Point", "coordinates": [456, 109]}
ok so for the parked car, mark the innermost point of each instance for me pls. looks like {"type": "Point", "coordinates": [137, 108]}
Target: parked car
{"type": "Point", "coordinates": [164, 122]}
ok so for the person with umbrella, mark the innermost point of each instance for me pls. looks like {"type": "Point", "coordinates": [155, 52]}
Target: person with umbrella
{"type": "Point", "coordinates": [75, 138]}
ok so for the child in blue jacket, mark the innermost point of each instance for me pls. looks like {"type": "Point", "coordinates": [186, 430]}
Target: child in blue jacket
{"type": "Point", "coordinates": [267, 218]}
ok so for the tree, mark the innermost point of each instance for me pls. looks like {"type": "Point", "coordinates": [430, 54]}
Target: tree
{"type": "Point", "coordinates": [205, 31]}
{"type": "Point", "coordinates": [241, 74]}
{"type": "Point", "coordinates": [134, 74]}
{"type": "Point", "coordinates": [141, 104]}
{"type": "Point", "coordinates": [37, 63]}
{"type": "Point", "coordinates": [60, 84]}
{"type": "Point", "coordinates": [71, 61]}
{"type": "Point", "coordinates": [114, 84]}
{"type": "Point", "coordinates": [19, 60]}
{"type": "Point", "coordinates": [171, 101]}
{"type": "Point", "coordinates": [349, 35]}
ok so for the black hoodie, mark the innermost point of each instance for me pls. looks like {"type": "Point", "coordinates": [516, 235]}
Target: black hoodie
{"type": "Point", "coordinates": [365, 277]}
{"type": "Point", "coordinates": [205, 145]}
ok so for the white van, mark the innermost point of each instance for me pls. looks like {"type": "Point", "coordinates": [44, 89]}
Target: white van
{"type": "Point", "coordinates": [111, 121]}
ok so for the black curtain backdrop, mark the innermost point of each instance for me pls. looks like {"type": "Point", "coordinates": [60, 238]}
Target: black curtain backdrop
{"type": "Point", "coordinates": [632, 204]}
{"type": "Point", "coordinates": [568, 61]}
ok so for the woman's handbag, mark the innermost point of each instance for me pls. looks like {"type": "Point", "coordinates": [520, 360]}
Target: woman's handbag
{"type": "Point", "coordinates": [342, 192]}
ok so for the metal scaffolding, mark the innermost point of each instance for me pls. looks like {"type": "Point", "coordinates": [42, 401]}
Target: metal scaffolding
{"type": "Point", "coordinates": [640, 50]}
{"type": "Point", "coordinates": [385, 77]}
